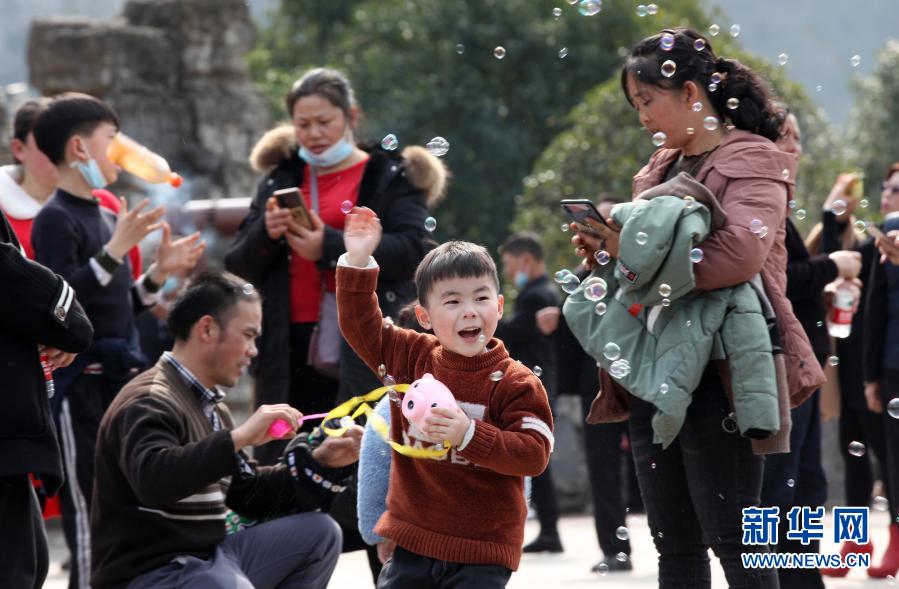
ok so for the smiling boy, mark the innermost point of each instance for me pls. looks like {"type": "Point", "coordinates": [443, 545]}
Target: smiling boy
{"type": "Point", "coordinates": [464, 513]}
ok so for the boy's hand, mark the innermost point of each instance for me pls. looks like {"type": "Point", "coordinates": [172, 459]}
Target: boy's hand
{"type": "Point", "coordinates": [132, 226]}
{"type": "Point", "coordinates": [174, 257]}
{"type": "Point", "coordinates": [385, 550]}
{"type": "Point", "coordinates": [361, 235]}
{"type": "Point", "coordinates": [447, 424]}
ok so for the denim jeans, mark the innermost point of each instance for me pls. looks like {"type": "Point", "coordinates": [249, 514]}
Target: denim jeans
{"type": "Point", "coordinates": [694, 492]}
{"type": "Point", "coordinates": [407, 570]}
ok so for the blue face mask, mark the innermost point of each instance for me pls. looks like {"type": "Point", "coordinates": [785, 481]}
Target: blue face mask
{"type": "Point", "coordinates": [521, 279]}
{"type": "Point", "coordinates": [92, 174]}
{"type": "Point", "coordinates": [329, 157]}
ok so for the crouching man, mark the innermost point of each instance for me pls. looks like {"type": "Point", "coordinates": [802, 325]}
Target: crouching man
{"type": "Point", "coordinates": [176, 501]}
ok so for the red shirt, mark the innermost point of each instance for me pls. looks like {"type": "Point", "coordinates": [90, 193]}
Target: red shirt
{"type": "Point", "coordinates": [305, 278]}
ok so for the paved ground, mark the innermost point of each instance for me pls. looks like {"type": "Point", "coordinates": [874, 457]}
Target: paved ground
{"type": "Point", "coordinates": [570, 569]}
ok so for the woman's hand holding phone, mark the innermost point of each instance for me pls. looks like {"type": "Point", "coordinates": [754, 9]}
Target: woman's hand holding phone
{"type": "Point", "coordinates": [592, 236]}
{"type": "Point", "coordinates": [277, 219]}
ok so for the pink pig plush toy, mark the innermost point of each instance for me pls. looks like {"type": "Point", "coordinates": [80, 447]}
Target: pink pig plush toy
{"type": "Point", "coordinates": [426, 393]}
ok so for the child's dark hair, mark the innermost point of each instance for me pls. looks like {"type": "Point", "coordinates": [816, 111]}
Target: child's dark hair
{"type": "Point", "coordinates": [696, 61]}
{"type": "Point", "coordinates": [26, 117]}
{"type": "Point", "coordinates": [453, 259]}
{"type": "Point", "coordinates": [523, 242]}
{"type": "Point", "coordinates": [212, 293]}
{"type": "Point", "coordinates": [67, 115]}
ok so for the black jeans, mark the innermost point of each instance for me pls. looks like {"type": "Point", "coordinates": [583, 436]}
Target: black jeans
{"type": "Point", "coordinates": [865, 426]}
{"type": "Point", "coordinates": [695, 490]}
{"type": "Point", "coordinates": [24, 542]}
{"type": "Point", "coordinates": [407, 570]}
{"type": "Point", "coordinates": [889, 390]}
{"type": "Point", "coordinates": [602, 445]}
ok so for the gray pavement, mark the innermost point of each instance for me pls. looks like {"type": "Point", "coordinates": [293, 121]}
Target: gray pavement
{"type": "Point", "coordinates": [569, 569]}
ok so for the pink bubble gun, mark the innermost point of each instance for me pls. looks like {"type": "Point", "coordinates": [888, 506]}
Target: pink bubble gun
{"type": "Point", "coordinates": [423, 396]}
{"type": "Point", "coordinates": [279, 428]}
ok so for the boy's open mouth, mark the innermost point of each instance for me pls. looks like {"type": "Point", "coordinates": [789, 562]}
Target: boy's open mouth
{"type": "Point", "coordinates": [471, 334]}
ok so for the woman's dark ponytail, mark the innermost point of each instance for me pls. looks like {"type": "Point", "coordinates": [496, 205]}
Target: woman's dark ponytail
{"type": "Point", "coordinates": [695, 61]}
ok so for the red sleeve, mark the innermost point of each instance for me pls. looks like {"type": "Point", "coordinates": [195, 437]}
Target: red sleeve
{"type": "Point", "coordinates": [109, 201]}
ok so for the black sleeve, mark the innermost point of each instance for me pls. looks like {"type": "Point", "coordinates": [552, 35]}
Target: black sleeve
{"type": "Point", "coordinates": [831, 232]}
{"type": "Point", "coordinates": [297, 483]}
{"type": "Point", "coordinates": [405, 240]}
{"type": "Point", "coordinates": [253, 251]}
{"type": "Point", "coordinates": [521, 327]}
{"type": "Point", "coordinates": [874, 321]}
{"type": "Point", "coordinates": [158, 467]}
{"type": "Point", "coordinates": [53, 236]}
{"type": "Point", "coordinates": [38, 305]}
{"type": "Point", "coordinates": [806, 279]}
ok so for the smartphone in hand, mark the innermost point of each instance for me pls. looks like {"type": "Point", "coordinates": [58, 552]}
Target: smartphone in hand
{"type": "Point", "coordinates": [291, 199]}
{"type": "Point", "coordinates": [579, 209]}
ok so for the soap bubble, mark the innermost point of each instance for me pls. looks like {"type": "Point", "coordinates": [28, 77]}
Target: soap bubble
{"type": "Point", "coordinates": [663, 388]}
{"type": "Point", "coordinates": [482, 338]}
{"type": "Point", "coordinates": [697, 106]}
{"type": "Point", "coordinates": [857, 449]}
{"type": "Point", "coordinates": [833, 360]}
{"type": "Point", "coordinates": [622, 534]}
{"type": "Point", "coordinates": [347, 422]}
{"type": "Point", "coordinates": [600, 308]}
{"type": "Point", "coordinates": [620, 368]}
{"type": "Point", "coordinates": [713, 87]}
{"type": "Point", "coordinates": [791, 483]}
{"type": "Point", "coordinates": [641, 10]}
{"type": "Point", "coordinates": [438, 146]}
{"type": "Point", "coordinates": [390, 142]}
{"type": "Point", "coordinates": [611, 351]}
{"type": "Point", "coordinates": [621, 557]}
{"type": "Point", "coordinates": [564, 227]}
{"type": "Point", "coordinates": [602, 257]}
{"type": "Point", "coordinates": [382, 371]}
{"type": "Point", "coordinates": [735, 31]}
{"type": "Point", "coordinates": [571, 283]}
{"type": "Point", "coordinates": [589, 7]}
{"type": "Point", "coordinates": [791, 203]}
{"type": "Point", "coordinates": [603, 569]}
{"type": "Point", "coordinates": [756, 226]}
{"type": "Point", "coordinates": [388, 381]}
{"type": "Point", "coordinates": [893, 408]}
{"type": "Point", "coordinates": [595, 288]}
{"type": "Point", "coordinates": [346, 206]}
{"type": "Point", "coordinates": [783, 58]}
{"type": "Point", "coordinates": [733, 103]}
{"type": "Point", "coordinates": [860, 226]}
{"type": "Point", "coordinates": [764, 232]}
{"type": "Point", "coordinates": [641, 238]}
{"type": "Point", "coordinates": [496, 376]}
{"type": "Point", "coordinates": [696, 255]}
{"type": "Point", "coordinates": [538, 371]}
{"type": "Point", "coordinates": [668, 68]}
{"type": "Point", "coordinates": [562, 275]}
{"type": "Point", "coordinates": [651, 9]}
{"type": "Point", "coordinates": [666, 302]}
{"type": "Point", "coordinates": [855, 61]}
{"type": "Point", "coordinates": [460, 48]}
{"type": "Point", "coordinates": [690, 130]}
{"type": "Point", "coordinates": [715, 78]}
{"type": "Point", "coordinates": [714, 30]}
{"type": "Point", "coordinates": [699, 44]}
{"type": "Point", "coordinates": [557, 12]}
{"type": "Point", "coordinates": [819, 88]}
{"type": "Point", "coordinates": [659, 138]}
{"type": "Point", "coordinates": [710, 123]}
{"type": "Point", "coordinates": [863, 203]}
{"type": "Point", "coordinates": [563, 52]}
{"type": "Point", "coordinates": [667, 42]}
{"type": "Point", "coordinates": [431, 224]}
{"type": "Point", "coordinates": [800, 214]}
{"type": "Point", "coordinates": [785, 174]}
{"type": "Point", "coordinates": [880, 503]}
{"type": "Point", "coordinates": [665, 290]}
{"type": "Point", "coordinates": [838, 207]}
{"type": "Point", "coordinates": [499, 52]}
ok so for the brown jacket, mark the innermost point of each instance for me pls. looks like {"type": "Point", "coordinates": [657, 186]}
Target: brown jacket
{"type": "Point", "coordinates": [747, 175]}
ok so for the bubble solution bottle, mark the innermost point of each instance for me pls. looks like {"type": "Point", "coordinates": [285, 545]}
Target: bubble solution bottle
{"type": "Point", "coordinates": [136, 159]}
{"type": "Point", "coordinates": [839, 320]}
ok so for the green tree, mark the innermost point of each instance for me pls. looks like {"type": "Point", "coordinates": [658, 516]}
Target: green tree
{"type": "Point", "coordinates": [604, 146]}
{"type": "Point", "coordinates": [427, 67]}
{"type": "Point", "coordinates": [875, 121]}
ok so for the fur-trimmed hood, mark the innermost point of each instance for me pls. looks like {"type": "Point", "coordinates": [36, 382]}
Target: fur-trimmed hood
{"type": "Point", "coordinates": [424, 170]}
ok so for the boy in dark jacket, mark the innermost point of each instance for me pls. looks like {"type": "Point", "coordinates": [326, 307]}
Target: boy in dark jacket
{"type": "Point", "coordinates": [38, 313]}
